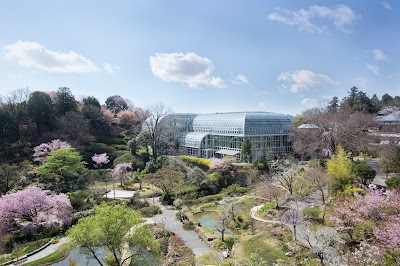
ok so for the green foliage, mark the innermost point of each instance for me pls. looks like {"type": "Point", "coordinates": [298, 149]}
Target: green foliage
{"type": "Point", "coordinates": [200, 162]}
{"type": "Point", "coordinates": [246, 150]}
{"type": "Point", "coordinates": [391, 257]}
{"type": "Point", "coordinates": [189, 226]}
{"type": "Point", "coordinates": [257, 249]}
{"type": "Point", "coordinates": [151, 166]}
{"type": "Point", "coordinates": [206, 199]}
{"type": "Point", "coordinates": [63, 168]}
{"type": "Point", "coordinates": [339, 170]}
{"type": "Point", "coordinates": [61, 253]}
{"type": "Point", "coordinates": [65, 101]}
{"type": "Point", "coordinates": [266, 207]}
{"type": "Point", "coordinates": [349, 190]}
{"type": "Point", "coordinates": [9, 177]}
{"type": "Point", "coordinates": [313, 213]}
{"type": "Point", "coordinates": [364, 171]}
{"type": "Point", "coordinates": [40, 108]}
{"type": "Point", "coordinates": [229, 242]}
{"type": "Point", "coordinates": [78, 199]}
{"type": "Point", "coordinates": [92, 101]}
{"type": "Point", "coordinates": [393, 182]}
{"type": "Point", "coordinates": [109, 226]}
{"type": "Point", "coordinates": [235, 190]}
{"type": "Point", "coordinates": [8, 127]}
{"type": "Point", "coordinates": [136, 161]}
{"type": "Point", "coordinates": [120, 147]}
{"type": "Point", "coordinates": [132, 145]}
{"type": "Point", "coordinates": [150, 211]}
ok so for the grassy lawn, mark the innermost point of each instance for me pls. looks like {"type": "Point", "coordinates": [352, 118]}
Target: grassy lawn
{"type": "Point", "coordinates": [266, 246]}
{"type": "Point", "coordinates": [25, 248]}
{"type": "Point", "coordinates": [60, 254]}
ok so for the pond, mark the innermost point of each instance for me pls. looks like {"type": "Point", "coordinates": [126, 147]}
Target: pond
{"type": "Point", "coordinates": [210, 220]}
{"type": "Point", "coordinates": [82, 258]}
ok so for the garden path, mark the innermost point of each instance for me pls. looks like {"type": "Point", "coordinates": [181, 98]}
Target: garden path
{"type": "Point", "coordinates": [45, 252]}
{"type": "Point", "coordinates": [168, 218]}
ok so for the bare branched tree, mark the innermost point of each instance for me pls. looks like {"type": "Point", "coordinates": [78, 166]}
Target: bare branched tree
{"type": "Point", "coordinates": [285, 173]}
{"type": "Point", "coordinates": [157, 132]}
{"type": "Point", "coordinates": [345, 128]}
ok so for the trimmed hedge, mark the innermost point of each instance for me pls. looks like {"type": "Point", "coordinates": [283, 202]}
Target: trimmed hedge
{"type": "Point", "coordinates": [206, 199]}
{"type": "Point", "coordinates": [200, 162]}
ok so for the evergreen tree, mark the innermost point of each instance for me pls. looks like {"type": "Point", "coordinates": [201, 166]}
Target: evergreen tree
{"type": "Point", "coordinates": [65, 101]}
{"type": "Point", "coordinates": [40, 109]}
{"type": "Point", "coordinates": [387, 99]}
{"type": "Point", "coordinates": [334, 104]}
{"type": "Point", "coordinates": [91, 101]}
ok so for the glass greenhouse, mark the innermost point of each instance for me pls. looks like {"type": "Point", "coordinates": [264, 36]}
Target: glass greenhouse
{"type": "Point", "coordinates": [222, 134]}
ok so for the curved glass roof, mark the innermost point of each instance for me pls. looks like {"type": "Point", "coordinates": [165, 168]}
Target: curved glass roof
{"type": "Point", "coordinates": [243, 123]}
{"type": "Point", "coordinates": [192, 139]}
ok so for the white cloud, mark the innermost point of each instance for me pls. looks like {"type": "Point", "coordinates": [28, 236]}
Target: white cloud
{"type": "Point", "coordinates": [215, 82]}
{"type": "Point", "coordinates": [110, 68]}
{"type": "Point", "coordinates": [187, 68]}
{"type": "Point", "coordinates": [380, 55]}
{"type": "Point", "coordinates": [303, 80]}
{"type": "Point", "coordinates": [341, 16]}
{"type": "Point", "coordinates": [386, 5]}
{"type": "Point", "coordinates": [261, 104]}
{"type": "Point", "coordinates": [240, 79]}
{"type": "Point", "coordinates": [374, 68]}
{"type": "Point", "coordinates": [32, 54]}
{"type": "Point", "coordinates": [309, 103]}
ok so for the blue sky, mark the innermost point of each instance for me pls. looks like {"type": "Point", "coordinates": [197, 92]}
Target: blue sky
{"type": "Point", "coordinates": [203, 56]}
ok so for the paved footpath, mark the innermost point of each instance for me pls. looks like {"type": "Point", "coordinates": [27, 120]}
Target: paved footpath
{"type": "Point", "coordinates": [168, 218]}
{"type": "Point", "coordinates": [47, 251]}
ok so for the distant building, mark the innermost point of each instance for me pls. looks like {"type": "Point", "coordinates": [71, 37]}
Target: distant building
{"type": "Point", "coordinates": [222, 134]}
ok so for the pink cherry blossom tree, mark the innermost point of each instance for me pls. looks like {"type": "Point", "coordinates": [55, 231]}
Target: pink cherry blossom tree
{"type": "Point", "coordinates": [121, 171]}
{"type": "Point", "coordinates": [100, 159]}
{"type": "Point", "coordinates": [32, 207]}
{"type": "Point", "coordinates": [41, 151]}
{"type": "Point", "coordinates": [383, 210]}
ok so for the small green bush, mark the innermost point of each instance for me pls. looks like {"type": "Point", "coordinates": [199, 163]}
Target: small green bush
{"type": "Point", "coordinates": [393, 182]}
{"type": "Point", "coordinates": [150, 211]}
{"type": "Point", "coordinates": [266, 207]}
{"type": "Point", "coordinates": [127, 157]}
{"type": "Point", "coordinates": [313, 213]}
{"type": "Point", "coordinates": [121, 147]}
{"type": "Point", "coordinates": [189, 226]}
{"type": "Point", "coordinates": [206, 199]}
{"type": "Point", "coordinates": [229, 242]}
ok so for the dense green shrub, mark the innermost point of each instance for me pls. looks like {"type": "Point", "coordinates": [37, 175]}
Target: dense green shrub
{"type": "Point", "coordinates": [235, 189]}
{"type": "Point", "coordinates": [150, 211]}
{"type": "Point", "coordinates": [266, 207]}
{"type": "Point", "coordinates": [111, 140]}
{"type": "Point", "coordinates": [78, 199]}
{"type": "Point", "coordinates": [313, 213]}
{"type": "Point", "coordinates": [129, 158]}
{"type": "Point", "coordinates": [120, 147]}
{"type": "Point", "coordinates": [393, 182]}
{"type": "Point", "coordinates": [350, 190]}
{"type": "Point", "coordinates": [206, 199]}
{"type": "Point", "coordinates": [364, 171]}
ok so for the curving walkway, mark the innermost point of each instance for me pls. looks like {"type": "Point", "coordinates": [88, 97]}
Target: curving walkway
{"type": "Point", "coordinates": [168, 218]}
{"type": "Point", "coordinates": [47, 251]}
